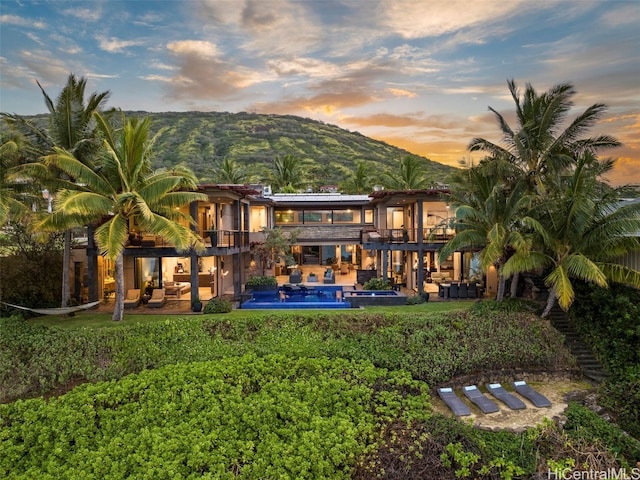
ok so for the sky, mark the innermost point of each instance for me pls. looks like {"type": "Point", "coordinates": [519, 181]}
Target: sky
{"type": "Point", "coordinates": [417, 74]}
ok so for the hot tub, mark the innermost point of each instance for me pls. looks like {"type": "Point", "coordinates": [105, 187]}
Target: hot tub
{"type": "Point", "coordinates": [368, 298]}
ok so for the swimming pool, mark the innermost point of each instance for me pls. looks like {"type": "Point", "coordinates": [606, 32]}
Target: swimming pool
{"type": "Point", "coordinates": [369, 298]}
{"type": "Point", "coordinates": [298, 296]}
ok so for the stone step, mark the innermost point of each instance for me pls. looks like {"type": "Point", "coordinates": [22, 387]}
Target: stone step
{"type": "Point", "coordinates": [590, 366]}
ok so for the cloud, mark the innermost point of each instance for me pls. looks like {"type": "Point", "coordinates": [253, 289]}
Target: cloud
{"type": "Point", "coordinates": [625, 14]}
{"type": "Point", "coordinates": [114, 45]}
{"type": "Point", "coordinates": [204, 73]}
{"type": "Point", "coordinates": [198, 48]}
{"type": "Point", "coordinates": [398, 92]}
{"type": "Point", "coordinates": [308, 67]}
{"type": "Point", "coordinates": [45, 66]}
{"type": "Point", "coordinates": [22, 22]}
{"type": "Point", "coordinates": [418, 19]}
{"type": "Point", "coordinates": [92, 14]}
{"type": "Point", "coordinates": [325, 103]}
{"type": "Point", "coordinates": [279, 27]}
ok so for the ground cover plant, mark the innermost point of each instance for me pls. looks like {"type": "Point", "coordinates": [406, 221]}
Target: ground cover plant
{"type": "Point", "coordinates": [35, 359]}
{"type": "Point", "coordinates": [160, 381]}
{"type": "Point", "coordinates": [248, 417]}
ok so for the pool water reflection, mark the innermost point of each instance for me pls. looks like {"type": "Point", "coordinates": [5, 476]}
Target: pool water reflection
{"type": "Point", "coordinates": [298, 296]}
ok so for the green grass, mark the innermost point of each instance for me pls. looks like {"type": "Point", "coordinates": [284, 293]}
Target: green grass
{"type": "Point", "coordinates": [99, 320]}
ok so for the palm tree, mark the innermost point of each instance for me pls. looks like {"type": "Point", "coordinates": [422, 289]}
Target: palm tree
{"type": "Point", "coordinates": [70, 128]}
{"type": "Point", "coordinates": [123, 190]}
{"type": "Point", "coordinates": [585, 231]}
{"type": "Point", "coordinates": [541, 148]}
{"type": "Point", "coordinates": [359, 181]}
{"type": "Point", "coordinates": [410, 175]}
{"type": "Point", "coordinates": [287, 174]}
{"type": "Point", "coordinates": [12, 190]}
{"type": "Point", "coordinates": [230, 171]}
{"type": "Point", "coordinates": [489, 216]}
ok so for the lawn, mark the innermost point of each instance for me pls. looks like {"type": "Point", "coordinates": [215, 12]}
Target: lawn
{"type": "Point", "coordinates": [92, 319]}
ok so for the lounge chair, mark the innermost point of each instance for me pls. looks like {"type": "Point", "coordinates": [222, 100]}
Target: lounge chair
{"type": "Point", "coordinates": [295, 276]}
{"type": "Point", "coordinates": [463, 292]}
{"type": "Point", "coordinates": [530, 394]}
{"type": "Point", "coordinates": [477, 397]}
{"type": "Point", "coordinates": [157, 299]}
{"type": "Point", "coordinates": [498, 391]}
{"type": "Point", "coordinates": [457, 406]}
{"type": "Point", "coordinates": [132, 300]}
{"type": "Point", "coordinates": [329, 276]}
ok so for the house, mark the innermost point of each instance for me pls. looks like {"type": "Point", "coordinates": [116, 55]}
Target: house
{"type": "Point", "coordinates": [389, 234]}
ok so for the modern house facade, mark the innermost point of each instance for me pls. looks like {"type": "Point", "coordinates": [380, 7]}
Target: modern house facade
{"type": "Point", "coordinates": [388, 234]}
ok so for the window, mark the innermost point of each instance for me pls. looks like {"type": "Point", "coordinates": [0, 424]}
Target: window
{"type": "Point", "coordinates": [368, 216]}
{"type": "Point", "coordinates": [317, 216]}
{"type": "Point", "coordinates": [284, 217]}
{"type": "Point", "coordinates": [346, 216]}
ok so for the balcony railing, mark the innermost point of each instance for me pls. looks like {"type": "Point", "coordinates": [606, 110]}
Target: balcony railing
{"type": "Point", "coordinates": [436, 234]}
{"type": "Point", "coordinates": [212, 238]}
{"type": "Point", "coordinates": [226, 238]}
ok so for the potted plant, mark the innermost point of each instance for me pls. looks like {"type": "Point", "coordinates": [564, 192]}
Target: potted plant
{"type": "Point", "coordinates": [196, 304]}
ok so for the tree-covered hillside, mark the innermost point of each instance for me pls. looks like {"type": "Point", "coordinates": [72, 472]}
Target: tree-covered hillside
{"type": "Point", "coordinates": [201, 139]}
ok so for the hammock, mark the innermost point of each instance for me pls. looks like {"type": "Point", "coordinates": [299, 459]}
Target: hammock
{"type": "Point", "coordinates": [55, 311]}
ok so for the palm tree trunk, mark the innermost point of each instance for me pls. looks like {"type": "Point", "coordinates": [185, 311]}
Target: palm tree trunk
{"type": "Point", "coordinates": [514, 284]}
{"type": "Point", "coordinates": [501, 282]}
{"type": "Point", "coordinates": [118, 309]}
{"type": "Point", "coordinates": [551, 301]}
{"type": "Point", "coordinates": [66, 259]}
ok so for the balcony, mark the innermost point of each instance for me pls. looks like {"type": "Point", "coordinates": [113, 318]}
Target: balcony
{"type": "Point", "coordinates": [380, 237]}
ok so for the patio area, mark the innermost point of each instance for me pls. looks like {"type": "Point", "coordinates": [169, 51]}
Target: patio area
{"type": "Point", "coordinates": [182, 305]}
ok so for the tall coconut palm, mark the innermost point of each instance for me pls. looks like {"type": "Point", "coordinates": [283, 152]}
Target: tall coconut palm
{"type": "Point", "coordinates": [70, 128]}
{"type": "Point", "coordinates": [585, 231]}
{"type": "Point", "coordinates": [492, 217]}
{"type": "Point", "coordinates": [123, 190]}
{"type": "Point", "coordinates": [358, 182]}
{"type": "Point", "coordinates": [12, 190]}
{"type": "Point", "coordinates": [410, 175]}
{"type": "Point", "coordinates": [542, 146]}
{"type": "Point", "coordinates": [287, 174]}
{"type": "Point", "coordinates": [230, 171]}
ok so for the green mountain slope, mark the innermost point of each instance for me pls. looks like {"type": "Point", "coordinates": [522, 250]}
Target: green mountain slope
{"type": "Point", "coordinates": [329, 153]}
{"type": "Point", "coordinates": [200, 139]}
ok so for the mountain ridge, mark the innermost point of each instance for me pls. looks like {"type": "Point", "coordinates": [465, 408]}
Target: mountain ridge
{"type": "Point", "coordinates": [329, 153]}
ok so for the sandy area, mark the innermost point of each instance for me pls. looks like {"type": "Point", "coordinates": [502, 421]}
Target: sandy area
{"type": "Point", "coordinates": [517, 420]}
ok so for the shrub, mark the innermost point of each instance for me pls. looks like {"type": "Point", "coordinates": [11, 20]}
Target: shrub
{"type": "Point", "coordinates": [609, 319]}
{"type": "Point", "coordinates": [415, 300]}
{"type": "Point", "coordinates": [218, 305]}
{"type": "Point", "coordinates": [583, 424]}
{"type": "Point", "coordinates": [247, 417]}
{"type": "Point", "coordinates": [262, 280]}
{"type": "Point", "coordinates": [376, 284]}
{"type": "Point", "coordinates": [620, 394]}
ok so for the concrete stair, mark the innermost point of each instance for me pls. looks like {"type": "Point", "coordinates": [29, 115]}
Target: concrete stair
{"type": "Point", "coordinates": [591, 368]}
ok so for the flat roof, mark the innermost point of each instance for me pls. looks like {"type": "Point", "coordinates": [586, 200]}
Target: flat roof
{"type": "Point", "coordinates": [318, 198]}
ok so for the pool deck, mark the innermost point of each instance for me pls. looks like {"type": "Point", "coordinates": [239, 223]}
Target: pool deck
{"type": "Point", "coordinates": [183, 305]}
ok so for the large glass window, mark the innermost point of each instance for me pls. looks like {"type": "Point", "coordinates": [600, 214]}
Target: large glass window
{"type": "Point", "coordinates": [317, 216]}
{"type": "Point", "coordinates": [147, 272]}
{"type": "Point", "coordinates": [284, 216]}
{"type": "Point", "coordinates": [338, 216]}
{"type": "Point", "coordinates": [346, 216]}
{"type": "Point", "coordinates": [258, 219]}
